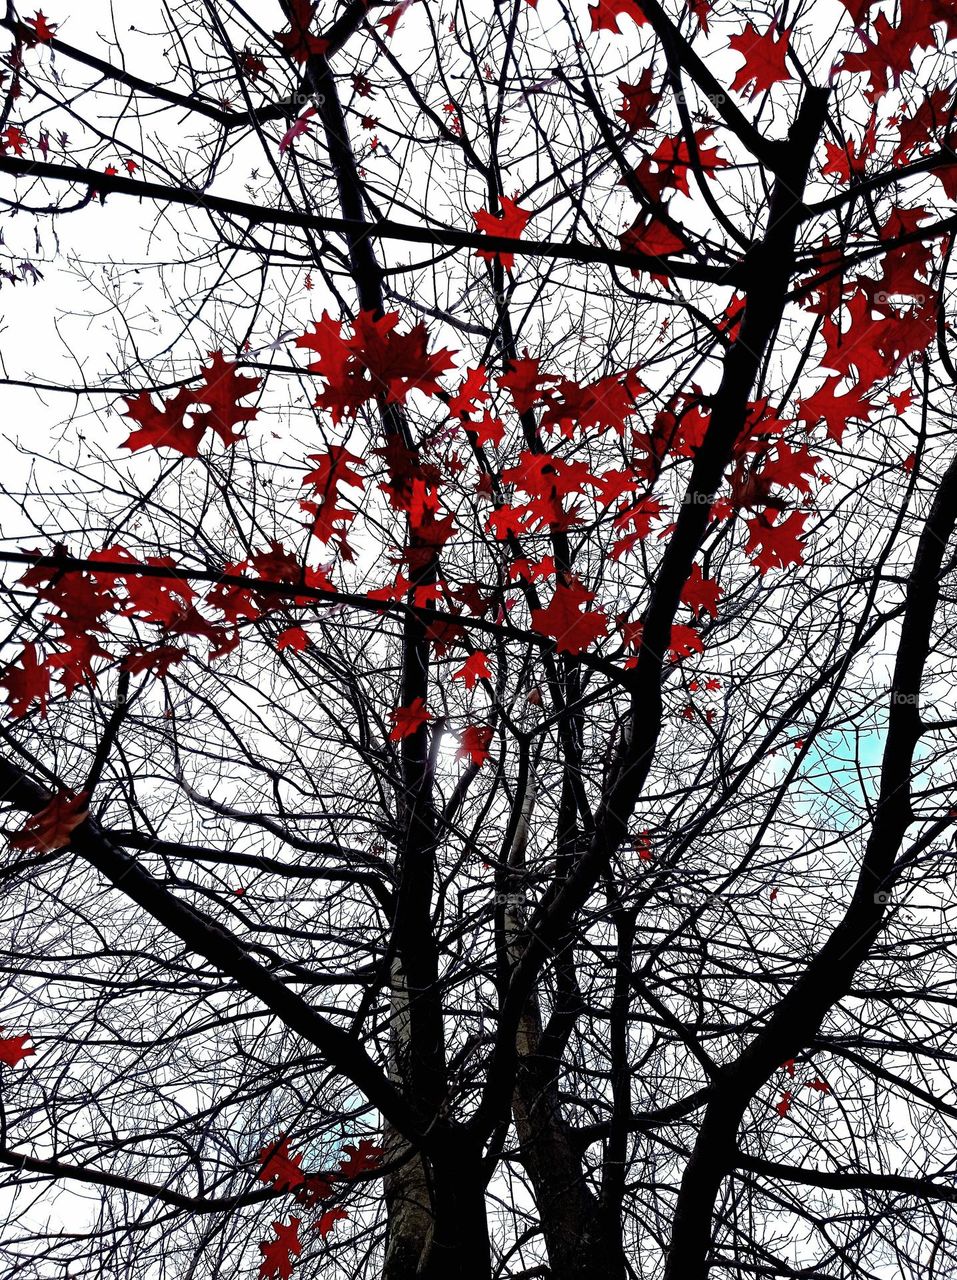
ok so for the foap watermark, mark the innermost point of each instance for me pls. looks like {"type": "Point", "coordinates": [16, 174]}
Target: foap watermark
{"type": "Point", "coordinates": [692, 99]}
{"type": "Point", "coordinates": [511, 899]}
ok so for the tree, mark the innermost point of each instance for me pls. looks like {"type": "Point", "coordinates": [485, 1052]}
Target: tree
{"type": "Point", "coordinates": [478, 769]}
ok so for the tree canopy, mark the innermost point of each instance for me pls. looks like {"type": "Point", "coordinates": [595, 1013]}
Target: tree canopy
{"type": "Point", "coordinates": [479, 599]}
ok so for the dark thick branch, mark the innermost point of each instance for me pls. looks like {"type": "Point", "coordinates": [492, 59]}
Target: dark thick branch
{"type": "Point", "coordinates": [895, 1184]}
{"type": "Point", "coordinates": [385, 229]}
{"type": "Point", "coordinates": [207, 938]}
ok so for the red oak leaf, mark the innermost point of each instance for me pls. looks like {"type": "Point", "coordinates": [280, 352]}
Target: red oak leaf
{"type": "Point", "coordinates": [487, 430]}
{"type": "Point", "coordinates": [223, 390]}
{"type": "Point", "coordinates": [572, 630]}
{"type": "Point", "coordinates": [51, 827]}
{"type": "Point", "coordinates": [43, 29]}
{"type": "Point", "coordinates": [334, 467]}
{"type": "Point", "coordinates": [510, 221]}
{"type": "Point", "coordinates": [15, 139]}
{"type": "Point", "coordinates": [523, 382]}
{"type": "Point", "coordinates": [13, 1049]}
{"type": "Point", "coordinates": [328, 1220]}
{"type": "Point", "coordinates": [279, 1167]}
{"type": "Point", "coordinates": [763, 59]}
{"type": "Point", "coordinates": [360, 1159]}
{"type": "Point", "coordinates": [292, 638]}
{"type": "Point", "coordinates": [392, 20]}
{"type": "Point", "coordinates": [780, 544]}
{"type": "Point", "coordinates": [297, 41]}
{"type": "Point", "coordinates": [278, 1254]}
{"type": "Point", "coordinates": [165, 427]}
{"type": "Point", "coordinates": [701, 9]}
{"type": "Point", "coordinates": [889, 52]}
{"type": "Point", "coordinates": [474, 668]}
{"type": "Point", "coordinates": [638, 101]}
{"type": "Point", "coordinates": [470, 394]}
{"type": "Point", "coordinates": [789, 467]}
{"type": "Point", "coordinates": [408, 720]}
{"type": "Point", "coordinates": [836, 410]}
{"type": "Point", "coordinates": [475, 742]}
{"type": "Point", "coordinates": [26, 681]}
{"type": "Point", "coordinates": [299, 129]}
{"type": "Point", "coordinates": [158, 660]}
{"type": "Point", "coordinates": [683, 642]}
{"type": "Point", "coordinates": [701, 593]}
{"type": "Point", "coordinates": [821, 1086]}
{"type": "Point", "coordinates": [650, 236]}
{"type": "Point", "coordinates": [395, 363]}
{"type": "Point", "coordinates": [784, 1106]}
{"type": "Point", "coordinates": [674, 157]}
{"type": "Point", "coordinates": [605, 14]}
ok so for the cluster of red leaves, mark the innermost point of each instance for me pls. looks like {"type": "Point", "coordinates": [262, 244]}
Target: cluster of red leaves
{"type": "Point", "coordinates": [283, 1171]}
{"type": "Point", "coordinates": [889, 50]}
{"type": "Point", "coordinates": [783, 1106]}
{"type": "Point", "coordinates": [85, 600]}
{"type": "Point", "coordinates": [219, 411]}
{"type": "Point", "coordinates": [376, 363]}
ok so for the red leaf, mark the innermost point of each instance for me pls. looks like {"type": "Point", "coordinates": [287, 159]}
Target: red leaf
{"type": "Point", "coordinates": [701, 9]}
{"type": "Point", "coordinates": [333, 468]}
{"type": "Point", "coordinates": [639, 99]}
{"type": "Point", "coordinates": [328, 1220]}
{"type": "Point", "coordinates": [889, 52]}
{"type": "Point", "coordinates": [605, 14]}
{"type": "Point", "coordinates": [780, 544]}
{"type": "Point", "coordinates": [649, 235]}
{"type": "Point", "coordinates": [298, 129]}
{"type": "Point", "coordinates": [470, 394]}
{"type": "Point", "coordinates": [165, 427]}
{"type": "Point", "coordinates": [821, 1086]}
{"type": "Point", "coordinates": [158, 660]}
{"type": "Point", "coordinates": [510, 221]}
{"type": "Point", "coordinates": [292, 638]}
{"type": "Point", "coordinates": [475, 743]}
{"type": "Point", "coordinates": [836, 410]}
{"type": "Point", "coordinates": [701, 593]}
{"type": "Point", "coordinates": [278, 1254]}
{"type": "Point", "coordinates": [523, 383]}
{"type": "Point", "coordinates": [51, 827]}
{"type": "Point", "coordinates": [13, 1049]}
{"type": "Point", "coordinates": [788, 1066]}
{"type": "Point", "coordinates": [297, 41]}
{"type": "Point", "coordinates": [763, 59]}
{"type": "Point", "coordinates": [683, 642]}
{"type": "Point", "coordinates": [223, 390]}
{"type": "Point", "coordinates": [360, 1159]}
{"type": "Point", "coordinates": [573, 630]}
{"type": "Point", "coordinates": [279, 1167]}
{"type": "Point", "coordinates": [14, 138]}
{"type": "Point", "coordinates": [784, 1106]}
{"type": "Point", "coordinates": [475, 668]}
{"type": "Point", "coordinates": [26, 682]}
{"type": "Point", "coordinates": [43, 29]}
{"type": "Point", "coordinates": [406, 721]}
{"type": "Point", "coordinates": [487, 430]}
{"type": "Point", "coordinates": [392, 21]}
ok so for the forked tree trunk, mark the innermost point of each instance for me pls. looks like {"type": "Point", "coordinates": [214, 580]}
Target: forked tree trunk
{"type": "Point", "coordinates": [577, 1238]}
